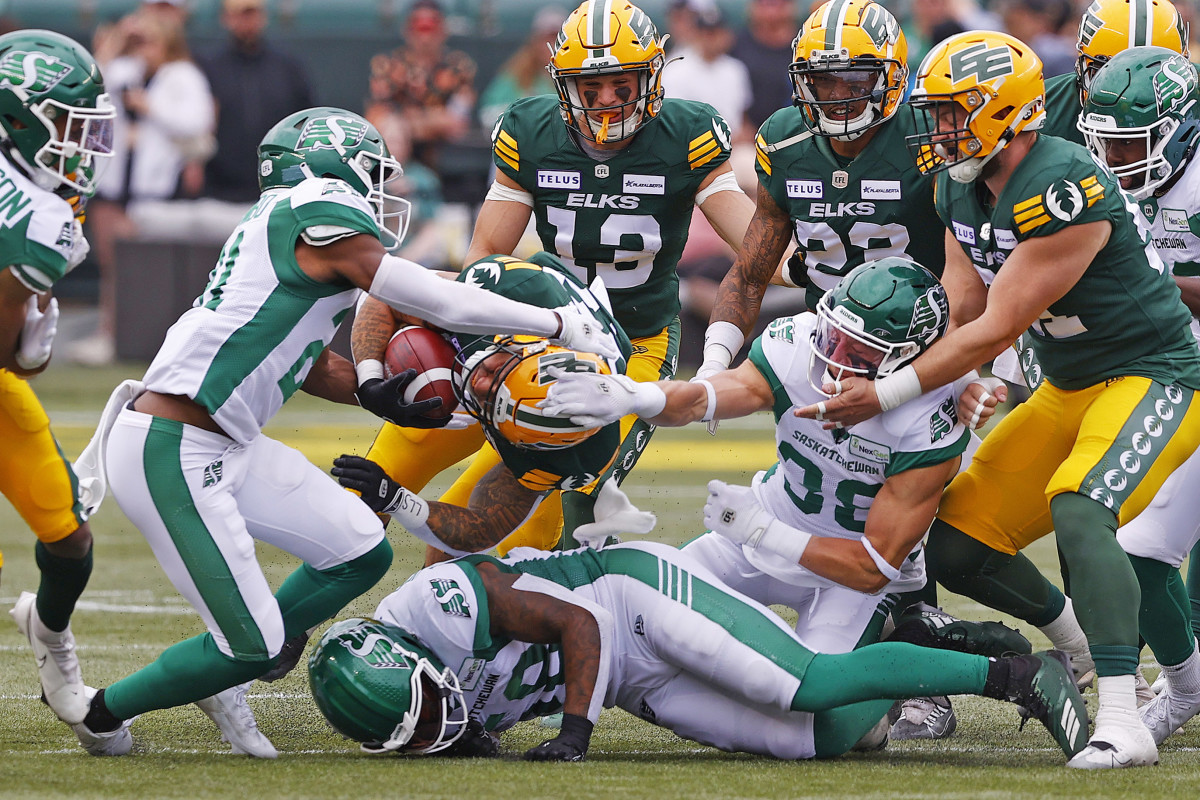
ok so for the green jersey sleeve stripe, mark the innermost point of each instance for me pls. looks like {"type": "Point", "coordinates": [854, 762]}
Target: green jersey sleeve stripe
{"type": "Point", "coordinates": [759, 359]}
{"type": "Point", "coordinates": [902, 462]}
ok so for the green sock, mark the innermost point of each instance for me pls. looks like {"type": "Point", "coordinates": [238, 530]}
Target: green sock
{"type": "Point", "coordinates": [837, 730]}
{"type": "Point", "coordinates": [1193, 587]}
{"type": "Point", "coordinates": [1011, 584]}
{"type": "Point", "coordinates": [1163, 617]}
{"type": "Point", "coordinates": [1105, 595]}
{"type": "Point", "coordinates": [63, 580]}
{"type": "Point", "coordinates": [890, 670]}
{"type": "Point", "coordinates": [309, 597]}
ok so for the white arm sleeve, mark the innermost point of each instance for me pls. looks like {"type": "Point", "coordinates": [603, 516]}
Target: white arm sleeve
{"type": "Point", "coordinates": [501, 192]}
{"type": "Point", "coordinates": [722, 183]}
{"type": "Point", "coordinates": [410, 288]}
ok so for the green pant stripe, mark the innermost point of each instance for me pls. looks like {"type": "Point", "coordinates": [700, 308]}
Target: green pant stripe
{"type": "Point", "coordinates": [199, 552]}
{"type": "Point", "coordinates": [749, 624]}
{"type": "Point", "coordinates": [1143, 437]}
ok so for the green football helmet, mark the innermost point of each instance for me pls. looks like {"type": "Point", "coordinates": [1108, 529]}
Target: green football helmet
{"type": "Point", "coordinates": [1148, 96]}
{"type": "Point", "coordinates": [376, 684]}
{"type": "Point", "coordinates": [330, 142]}
{"type": "Point", "coordinates": [56, 118]}
{"type": "Point", "coordinates": [879, 317]}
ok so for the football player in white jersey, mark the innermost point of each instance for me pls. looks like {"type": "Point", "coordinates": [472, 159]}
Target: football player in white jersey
{"type": "Point", "coordinates": [836, 524]}
{"type": "Point", "coordinates": [55, 131]}
{"type": "Point", "coordinates": [470, 647]}
{"type": "Point", "coordinates": [1142, 118]}
{"type": "Point", "coordinates": [186, 458]}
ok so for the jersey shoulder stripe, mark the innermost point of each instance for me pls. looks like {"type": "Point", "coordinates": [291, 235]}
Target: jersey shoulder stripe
{"type": "Point", "coordinates": [324, 201]}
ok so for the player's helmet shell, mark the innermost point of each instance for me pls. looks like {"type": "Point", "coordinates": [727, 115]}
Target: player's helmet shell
{"type": "Point", "coordinates": [45, 78]}
{"type": "Point", "coordinates": [330, 142]}
{"type": "Point", "coordinates": [501, 382]}
{"type": "Point", "coordinates": [859, 44]}
{"type": "Point", "coordinates": [878, 318]}
{"type": "Point", "coordinates": [1149, 94]}
{"type": "Point", "coordinates": [376, 684]}
{"type": "Point", "coordinates": [606, 37]}
{"type": "Point", "coordinates": [981, 89]}
{"type": "Point", "coordinates": [1109, 27]}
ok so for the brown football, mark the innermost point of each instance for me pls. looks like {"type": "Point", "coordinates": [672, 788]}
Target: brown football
{"type": "Point", "coordinates": [432, 357]}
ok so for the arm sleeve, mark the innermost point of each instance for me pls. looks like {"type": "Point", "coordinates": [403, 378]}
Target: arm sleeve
{"type": "Point", "coordinates": [411, 289]}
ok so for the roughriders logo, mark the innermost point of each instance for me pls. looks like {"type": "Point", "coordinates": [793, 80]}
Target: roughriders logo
{"type": "Point", "coordinates": [1174, 81]}
{"type": "Point", "coordinates": [450, 597]}
{"type": "Point", "coordinates": [929, 315]}
{"type": "Point", "coordinates": [376, 649]}
{"type": "Point", "coordinates": [332, 133]}
{"type": "Point", "coordinates": [36, 73]}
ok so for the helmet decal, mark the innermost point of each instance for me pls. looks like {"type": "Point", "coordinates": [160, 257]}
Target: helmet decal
{"type": "Point", "coordinates": [377, 651]}
{"type": "Point", "coordinates": [1091, 24]}
{"type": "Point", "coordinates": [1172, 84]}
{"type": "Point", "coordinates": [930, 315]}
{"type": "Point", "coordinates": [331, 133]}
{"type": "Point", "coordinates": [981, 62]}
{"type": "Point", "coordinates": [33, 72]}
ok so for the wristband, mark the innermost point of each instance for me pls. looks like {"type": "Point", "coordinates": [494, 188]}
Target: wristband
{"type": "Point", "coordinates": [408, 509]}
{"type": "Point", "coordinates": [722, 340]}
{"type": "Point", "coordinates": [711, 410]}
{"type": "Point", "coordinates": [962, 383]}
{"type": "Point", "coordinates": [368, 369]}
{"type": "Point", "coordinates": [648, 399]}
{"type": "Point", "coordinates": [898, 388]}
{"type": "Point", "coordinates": [785, 541]}
{"type": "Point", "coordinates": [886, 569]}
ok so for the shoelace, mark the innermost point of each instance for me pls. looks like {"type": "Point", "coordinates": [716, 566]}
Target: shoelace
{"type": "Point", "coordinates": [242, 708]}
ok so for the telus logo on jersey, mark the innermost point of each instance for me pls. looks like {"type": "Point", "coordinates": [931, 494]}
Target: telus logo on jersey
{"type": "Point", "coordinates": [964, 233]}
{"type": "Point", "coordinates": [559, 179]}
{"type": "Point", "coordinates": [805, 189]}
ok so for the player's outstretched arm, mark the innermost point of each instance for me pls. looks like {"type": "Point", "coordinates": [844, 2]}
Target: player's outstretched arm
{"type": "Point", "coordinates": [739, 297]}
{"type": "Point", "coordinates": [519, 609]}
{"type": "Point", "coordinates": [13, 297]}
{"type": "Point", "coordinates": [501, 220]}
{"type": "Point", "coordinates": [332, 378]}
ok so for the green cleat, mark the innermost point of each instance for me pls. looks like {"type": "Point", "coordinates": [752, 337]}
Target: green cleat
{"type": "Point", "coordinates": [1043, 685]}
{"type": "Point", "coordinates": [927, 626]}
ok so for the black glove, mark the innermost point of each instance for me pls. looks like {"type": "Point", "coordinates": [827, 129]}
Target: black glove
{"type": "Point", "coordinates": [571, 744]}
{"type": "Point", "coordinates": [796, 270]}
{"type": "Point", "coordinates": [474, 743]}
{"type": "Point", "coordinates": [385, 399]}
{"type": "Point", "coordinates": [289, 657]}
{"type": "Point", "coordinates": [378, 491]}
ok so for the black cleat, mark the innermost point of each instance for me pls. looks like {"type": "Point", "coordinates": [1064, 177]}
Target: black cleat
{"type": "Point", "coordinates": [927, 626]}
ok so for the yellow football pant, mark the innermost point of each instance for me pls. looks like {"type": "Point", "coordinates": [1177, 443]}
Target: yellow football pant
{"type": "Point", "coordinates": [1115, 442]}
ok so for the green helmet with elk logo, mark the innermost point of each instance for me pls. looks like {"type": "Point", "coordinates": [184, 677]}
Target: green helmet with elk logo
{"type": "Point", "coordinates": [331, 142]}
{"type": "Point", "coordinates": [55, 116]}
{"type": "Point", "coordinates": [1146, 94]}
{"type": "Point", "coordinates": [878, 318]}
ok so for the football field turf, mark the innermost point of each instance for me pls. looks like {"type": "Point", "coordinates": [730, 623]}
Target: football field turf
{"type": "Point", "coordinates": [129, 613]}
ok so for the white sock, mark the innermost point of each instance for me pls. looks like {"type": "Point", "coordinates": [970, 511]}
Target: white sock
{"type": "Point", "coordinates": [1066, 635]}
{"type": "Point", "coordinates": [1184, 678]}
{"type": "Point", "coordinates": [1117, 695]}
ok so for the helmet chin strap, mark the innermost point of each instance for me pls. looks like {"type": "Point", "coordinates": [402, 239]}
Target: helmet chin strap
{"type": "Point", "coordinates": [968, 171]}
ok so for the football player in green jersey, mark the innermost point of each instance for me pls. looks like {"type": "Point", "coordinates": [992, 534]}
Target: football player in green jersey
{"type": "Point", "coordinates": [1040, 239]}
{"type": "Point", "coordinates": [502, 382]}
{"type": "Point", "coordinates": [55, 131]}
{"type": "Point", "coordinates": [1107, 28]}
{"type": "Point", "coordinates": [610, 172]}
{"type": "Point", "coordinates": [833, 172]}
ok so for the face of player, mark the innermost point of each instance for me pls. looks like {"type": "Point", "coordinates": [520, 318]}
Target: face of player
{"type": "Point", "coordinates": [949, 124]}
{"type": "Point", "coordinates": [846, 92]}
{"type": "Point", "coordinates": [1123, 152]}
{"type": "Point", "coordinates": [490, 370]}
{"type": "Point", "coordinates": [842, 348]}
{"type": "Point", "coordinates": [611, 96]}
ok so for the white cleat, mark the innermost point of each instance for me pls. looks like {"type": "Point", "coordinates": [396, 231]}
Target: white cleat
{"type": "Point", "coordinates": [1119, 741]}
{"type": "Point", "coordinates": [1142, 688]}
{"type": "Point", "coordinates": [1160, 683]}
{"type": "Point", "coordinates": [112, 743]}
{"type": "Point", "coordinates": [1166, 713]}
{"type": "Point", "coordinates": [232, 714]}
{"type": "Point", "coordinates": [58, 666]}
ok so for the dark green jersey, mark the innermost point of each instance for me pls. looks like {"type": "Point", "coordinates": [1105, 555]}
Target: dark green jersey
{"type": "Point", "coordinates": [846, 211]}
{"type": "Point", "coordinates": [544, 281]}
{"type": "Point", "coordinates": [1063, 108]}
{"type": "Point", "coordinates": [625, 218]}
{"type": "Point", "coordinates": [1124, 316]}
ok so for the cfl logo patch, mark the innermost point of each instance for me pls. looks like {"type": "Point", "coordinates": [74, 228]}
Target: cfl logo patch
{"type": "Point", "coordinates": [728, 516]}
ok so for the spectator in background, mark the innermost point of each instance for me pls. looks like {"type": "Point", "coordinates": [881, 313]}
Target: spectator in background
{"type": "Point", "coordinates": [931, 21]}
{"type": "Point", "coordinates": [706, 71]}
{"type": "Point", "coordinates": [431, 87]}
{"type": "Point", "coordinates": [1040, 24]}
{"type": "Point", "coordinates": [254, 86]}
{"type": "Point", "coordinates": [681, 21]}
{"type": "Point", "coordinates": [524, 74]}
{"type": "Point", "coordinates": [765, 47]}
{"type": "Point", "coordinates": [424, 242]}
{"type": "Point", "coordinates": [163, 136]}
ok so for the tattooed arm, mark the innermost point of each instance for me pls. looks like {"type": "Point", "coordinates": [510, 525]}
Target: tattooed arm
{"type": "Point", "coordinates": [498, 506]}
{"type": "Point", "coordinates": [740, 294]}
{"type": "Point", "coordinates": [534, 616]}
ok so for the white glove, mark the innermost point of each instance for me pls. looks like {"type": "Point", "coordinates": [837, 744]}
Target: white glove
{"type": "Point", "coordinates": [735, 513]}
{"type": "Point", "coordinates": [582, 332]}
{"type": "Point", "coordinates": [79, 247]}
{"type": "Point", "coordinates": [37, 336]}
{"type": "Point", "coordinates": [615, 515]}
{"type": "Point", "coordinates": [592, 400]}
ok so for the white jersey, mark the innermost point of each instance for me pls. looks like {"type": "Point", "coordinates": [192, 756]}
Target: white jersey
{"type": "Point", "coordinates": [37, 230]}
{"type": "Point", "coordinates": [1174, 221]}
{"type": "Point", "coordinates": [824, 480]}
{"type": "Point", "coordinates": [250, 339]}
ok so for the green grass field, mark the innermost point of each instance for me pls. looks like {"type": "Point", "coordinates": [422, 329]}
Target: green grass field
{"type": "Point", "coordinates": [129, 613]}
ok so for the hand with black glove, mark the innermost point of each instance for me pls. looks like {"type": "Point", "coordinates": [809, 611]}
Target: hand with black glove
{"type": "Point", "coordinates": [385, 399]}
{"type": "Point", "coordinates": [571, 744]}
{"type": "Point", "coordinates": [474, 743]}
{"type": "Point", "coordinates": [378, 491]}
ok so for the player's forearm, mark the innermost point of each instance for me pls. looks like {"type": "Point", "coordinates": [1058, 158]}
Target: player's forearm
{"type": "Point", "coordinates": [374, 324]}
{"type": "Point", "coordinates": [332, 378]}
{"type": "Point", "coordinates": [845, 561]}
{"type": "Point", "coordinates": [1189, 289]}
{"type": "Point", "coordinates": [686, 403]}
{"type": "Point", "coordinates": [960, 351]}
{"type": "Point", "coordinates": [472, 530]}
